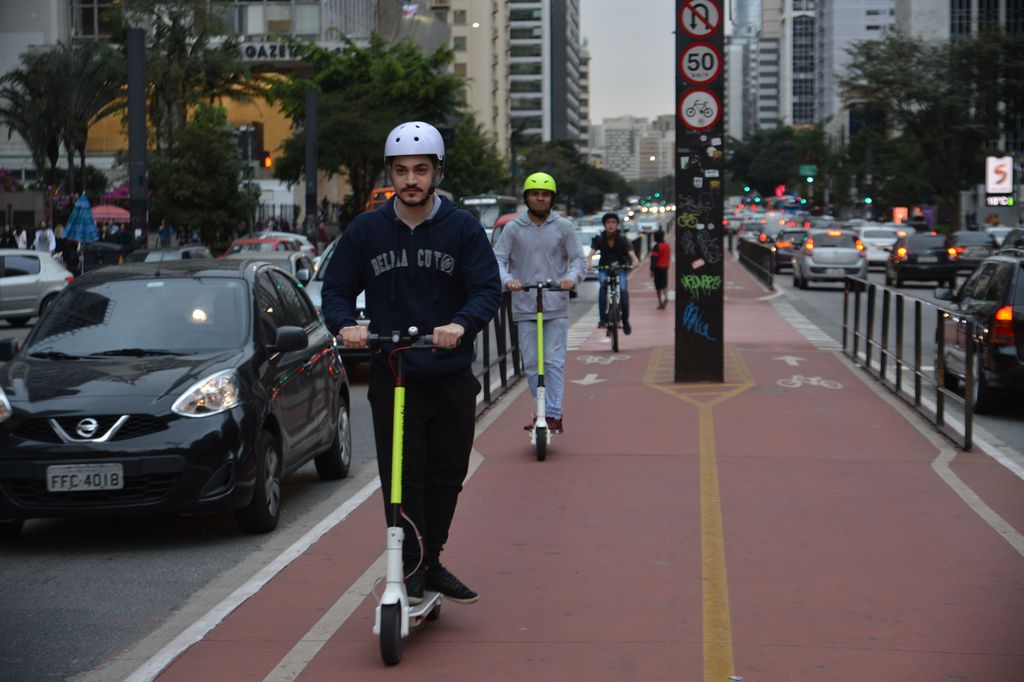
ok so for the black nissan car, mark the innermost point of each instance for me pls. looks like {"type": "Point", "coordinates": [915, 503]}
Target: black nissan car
{"type": "Point", "coordinates": [180, 387]}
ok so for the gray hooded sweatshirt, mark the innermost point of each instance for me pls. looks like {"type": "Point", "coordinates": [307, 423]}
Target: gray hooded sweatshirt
{"type": "Point", "coordinates": [536, 253]}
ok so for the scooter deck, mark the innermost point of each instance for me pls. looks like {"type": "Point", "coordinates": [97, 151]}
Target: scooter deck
{"type": "Point", "coordinates": [430, 600]}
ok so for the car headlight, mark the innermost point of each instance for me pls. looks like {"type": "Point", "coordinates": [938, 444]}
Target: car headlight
{"type": "Point", "coordinates": [5, 407]}
{"type": "Point", "coordinates": [213, 395]}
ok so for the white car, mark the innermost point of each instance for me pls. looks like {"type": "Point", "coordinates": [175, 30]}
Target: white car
{"type": "Point", "coordinates": [29, 281]}
{"type": "Point", "coordinates": [878, 241]}
{"type": "Point", "coordinates": [303, 240]}
{"type": "Point", "coordinates": [586, 235]}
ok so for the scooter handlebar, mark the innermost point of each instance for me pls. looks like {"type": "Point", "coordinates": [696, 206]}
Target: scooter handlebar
{"type": "Point", "coordinates": [547, 284]}
{"type": "Point", "coordinates": [411, 338]}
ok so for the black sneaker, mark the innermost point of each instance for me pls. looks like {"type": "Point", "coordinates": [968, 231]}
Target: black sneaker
{"type": "Point", "coordinates": [440, 579]}
{"type": "Point", "coordinates": [626, 329]}
{"type": "Point", "coordinates": [415, 584]}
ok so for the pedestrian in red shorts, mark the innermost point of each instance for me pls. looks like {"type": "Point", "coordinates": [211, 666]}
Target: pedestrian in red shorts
{"type": "Point", "coordinates": [661, 254]}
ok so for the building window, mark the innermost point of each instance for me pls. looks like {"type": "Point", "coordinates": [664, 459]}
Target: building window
{"type": "Point", "coordinates": [988, 14]}
{"type": "Point", "coordinates": [459, 17]}
{"type": "Point", "coordinates": [460, 69]}
{"type": "Point", "coordinates": [94, 18]}
{"type": "Point", "coordinates": [1014, 17]}
{"type": "Point", "coordinates": [960, 18]}
{"type": "Point", "coordinates": [459, 43]}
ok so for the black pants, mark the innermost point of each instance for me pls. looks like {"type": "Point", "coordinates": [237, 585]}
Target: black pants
{"type": "Point", "coordinates": [440, 419]}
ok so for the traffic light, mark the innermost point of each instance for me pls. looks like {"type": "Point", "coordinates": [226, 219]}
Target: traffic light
{"type": "Point", "coordinates": [267, 161]}
{"type": "Point", "coordinates": [867, 200]}
{"type": "Point", "coordinates": [810, 178]}
{"type": "Point", "coordinates": [746, 188]}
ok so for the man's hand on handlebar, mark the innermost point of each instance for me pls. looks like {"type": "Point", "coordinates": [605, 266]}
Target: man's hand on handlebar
{"type": "Point", "coordinates": [355, 336]}
{"type": "Point", "coordinates": [568, 284]}
{"type": "Point", "coordinates": [514, 285]}
{"type": "Point", "coordinates": [449, 335]}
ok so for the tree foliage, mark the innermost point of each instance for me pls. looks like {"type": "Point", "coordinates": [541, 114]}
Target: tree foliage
{"type": "Point", "coordinates": [363, 93]}
{"type": "Point", "coordinates": [773, 157]}
{"type": "Point", "coordinates": [198, 179]}
{"type": "Point", "coordinates": [188, 61]}
{"type": "Point", "coordinates": [951, 100]}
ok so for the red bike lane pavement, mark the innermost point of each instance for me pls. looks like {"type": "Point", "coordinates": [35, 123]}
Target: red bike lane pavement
{"type": "Point", "coordinates": [802, 530]}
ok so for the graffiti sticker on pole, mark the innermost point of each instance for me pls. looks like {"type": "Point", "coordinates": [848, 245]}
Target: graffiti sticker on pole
{"type": "Point", "coordinates": [699, 18]}
{"type": "Point", "coordinates": [699, 109]}
{"type": "Point", "coordinates": [700, 63]}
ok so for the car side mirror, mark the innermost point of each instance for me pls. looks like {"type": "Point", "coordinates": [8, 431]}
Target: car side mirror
{"type": "Point", "coordinates": [304, 275]}
{"type": "Point", "coordinates": [289, 339]}
{"type": "Point", "coordinates": [943, 293]}
{"type": "Point", "coordinates": [8, 349]}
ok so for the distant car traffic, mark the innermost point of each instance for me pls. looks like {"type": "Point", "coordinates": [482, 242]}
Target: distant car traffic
{"type": "Point", "coordinates": [785, 246]}
{"type": "Point", "coordinates": [314, 290]}
{"type": "Point", "coordinates": [586, 236]}
{"type": "Point", "coordinates": [971, 248]}
{"type": "Point", "coordinates": [173, 253]}
{"type": "Point", "coordinates": [878, 241]}
{"type": "Point", "coordinates": [993, 296]}
{"type": "Point", "coordinates": [921, 256]}
{"type": "Point", "coordinates": [190, 386]}
{"type": "Point", "coordinates": [259, 244]}
{"type": "Point", "coordinates": [298, 264]}
{"type": "Point", "coordinates": [29, 282]}
{"type": "Point", "coordinates": [304, 242]}
{"type": "Point", "coordinates": [829, 256]}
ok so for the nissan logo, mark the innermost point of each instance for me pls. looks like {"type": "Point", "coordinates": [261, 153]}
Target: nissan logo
{"type": "Point", "coordinates": [87, 427]}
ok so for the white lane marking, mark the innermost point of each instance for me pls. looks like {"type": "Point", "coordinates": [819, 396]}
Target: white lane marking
{"type": "Point", "coordinates": [195, 632]}
{"type": "Point", "coordinates": [942, 461]}
{"type": "Point", "coordinates": [296, 660]}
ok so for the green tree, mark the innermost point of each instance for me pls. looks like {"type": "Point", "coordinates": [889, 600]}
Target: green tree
{"type": "Point", "coordinates": [29, 106]}
{"type": "Point", "coordinates": [472, 163]}
{"type": "Point", "coordinates": [188, 61]}
{"type": "Point", "coordinates": [950, 99]}
{"type": "Point", "coordinates": [196, 182]}
{"type": "Point", "coordinates": [773, 157]}
{"type": "Point", "coordinates": [364, 93]}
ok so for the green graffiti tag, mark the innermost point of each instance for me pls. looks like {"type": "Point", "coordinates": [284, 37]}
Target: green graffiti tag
{"type": "Point", "coordinates": [701, 285]}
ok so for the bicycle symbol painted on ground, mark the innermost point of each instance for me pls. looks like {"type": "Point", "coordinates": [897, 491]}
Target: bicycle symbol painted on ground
{"type": "Point", "coordinates": [798, 380]}
{"type": "Point", "coordinates": [601, 359]}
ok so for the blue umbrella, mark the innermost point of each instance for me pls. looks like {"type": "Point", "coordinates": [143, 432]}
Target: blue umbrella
{"type": "Point", "coordinates": [81, 226]}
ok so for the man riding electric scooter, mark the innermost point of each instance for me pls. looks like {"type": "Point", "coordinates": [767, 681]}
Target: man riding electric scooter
{"type": "Point", "coordinates": [536, 247]}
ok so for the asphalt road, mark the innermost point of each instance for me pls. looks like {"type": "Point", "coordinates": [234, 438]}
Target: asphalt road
{"type": "Point", "coordinates": [77, 593]}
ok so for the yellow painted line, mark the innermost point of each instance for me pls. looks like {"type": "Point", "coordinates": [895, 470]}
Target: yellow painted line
{"type": "Point", "coordinates": [716, 623]}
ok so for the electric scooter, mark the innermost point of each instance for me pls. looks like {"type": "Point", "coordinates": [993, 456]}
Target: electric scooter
{"type": "Point", "coordinates": [540, 435]}
{"type": "Point", "coordinates": [395, 616]}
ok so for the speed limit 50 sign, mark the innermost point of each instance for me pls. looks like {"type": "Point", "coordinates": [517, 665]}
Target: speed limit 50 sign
{"type": "Point", "coordinates": [700, 63]}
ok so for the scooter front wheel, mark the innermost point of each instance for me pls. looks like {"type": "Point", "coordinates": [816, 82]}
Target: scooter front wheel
{"type": "Point", "coordinates": [542, 443]}
{"type": "Point", "coordinates": [391, 633]}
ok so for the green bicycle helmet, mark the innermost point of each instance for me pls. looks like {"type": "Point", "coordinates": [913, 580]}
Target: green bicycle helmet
{"type": "Point", "coordinates": [540, 181]}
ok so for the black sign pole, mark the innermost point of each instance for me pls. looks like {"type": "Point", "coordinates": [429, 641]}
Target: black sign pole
{"type": "Point", "coordinates": [700, 177]}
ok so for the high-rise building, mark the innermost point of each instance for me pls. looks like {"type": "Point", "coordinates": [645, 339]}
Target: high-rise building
{"type": "Point", "coordinates": [480, 39]}
{"type": "Point", "coordinates": [740, 74]}
{"type": "Point", "coordinates": [545, 69]}
{"type": "Point", "coordinates": [585, 101]}
{"type": "Point", "coordinates": [796, 63]}
{"type": "Point", "coordinates": [622, 144]}
{"type": "Point", "coordinates": [839, 25]}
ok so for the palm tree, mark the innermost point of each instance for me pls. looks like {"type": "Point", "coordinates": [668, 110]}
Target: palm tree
{"type": "Point", "coordinates": [29, 106]}
{"type": "Point", "coordinates": [93, 87]}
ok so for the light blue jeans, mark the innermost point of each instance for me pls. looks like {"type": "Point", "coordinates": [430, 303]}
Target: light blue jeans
{"type": "Point", "coordinates": [556, 334]}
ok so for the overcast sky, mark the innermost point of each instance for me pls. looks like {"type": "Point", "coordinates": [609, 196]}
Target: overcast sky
{"type": "Point", "coordinates": [632, 55]}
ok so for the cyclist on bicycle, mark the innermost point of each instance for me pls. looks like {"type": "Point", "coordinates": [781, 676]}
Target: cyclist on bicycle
{"type": "Point", "coordinates": [614, 249]}
{"type": "Point", "coordinates": [537, 246]}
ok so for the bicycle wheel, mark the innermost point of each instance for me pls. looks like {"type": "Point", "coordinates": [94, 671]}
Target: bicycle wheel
{"type": "Point", "coordinates": [613, 326]}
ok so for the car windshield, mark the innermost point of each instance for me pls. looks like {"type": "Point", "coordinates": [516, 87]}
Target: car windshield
{"type": "Point", "coordinates": [925, 241]}
{"type": "Point", "coordinates": [973, 238]}
{"type": "Point", "coordinates": [321, 269]}
{"type": "Point", "coordinates": [174, 316]}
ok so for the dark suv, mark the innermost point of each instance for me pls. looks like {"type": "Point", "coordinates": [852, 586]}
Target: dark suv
{"type": "Point", "coordinates": [993, 296]}
{"type": "Point", "coordinates": [921, 256]}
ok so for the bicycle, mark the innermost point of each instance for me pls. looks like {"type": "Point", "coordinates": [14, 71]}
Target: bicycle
{"type": "Point", "coordinates": [540, 435]}
{"type": "Point", "coordinates": [613, 303]}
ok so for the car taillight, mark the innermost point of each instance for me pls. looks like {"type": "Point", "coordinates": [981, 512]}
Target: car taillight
{"type": "Point", "coordinates": [783, 245]}
{"type": "Point", "coordinates": [809, 244]}
{"type": "Point", "coordinates": [959, 249]}
{"type": "Point", "coordinates": [901, 252]}
{"type": "Point", "coordinates": [860, 245]}
{"type": "Point", "coordinates": [1002, 328]}
{"type": "Point", "coordinates": [69, 279]}
{"type": "Point", "coordinates": [952, 252]}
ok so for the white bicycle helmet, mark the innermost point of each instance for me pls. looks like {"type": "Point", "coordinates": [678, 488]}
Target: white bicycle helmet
{"type": "Point", "coordinates": [413, 138]}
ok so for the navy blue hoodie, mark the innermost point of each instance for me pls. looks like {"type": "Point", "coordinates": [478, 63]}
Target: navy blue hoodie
{"type": "Point", "coordinates": [444, 271]}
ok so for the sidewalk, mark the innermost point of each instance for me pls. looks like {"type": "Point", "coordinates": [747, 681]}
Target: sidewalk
{"type": "Point", "coordinates": [753, 529]}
